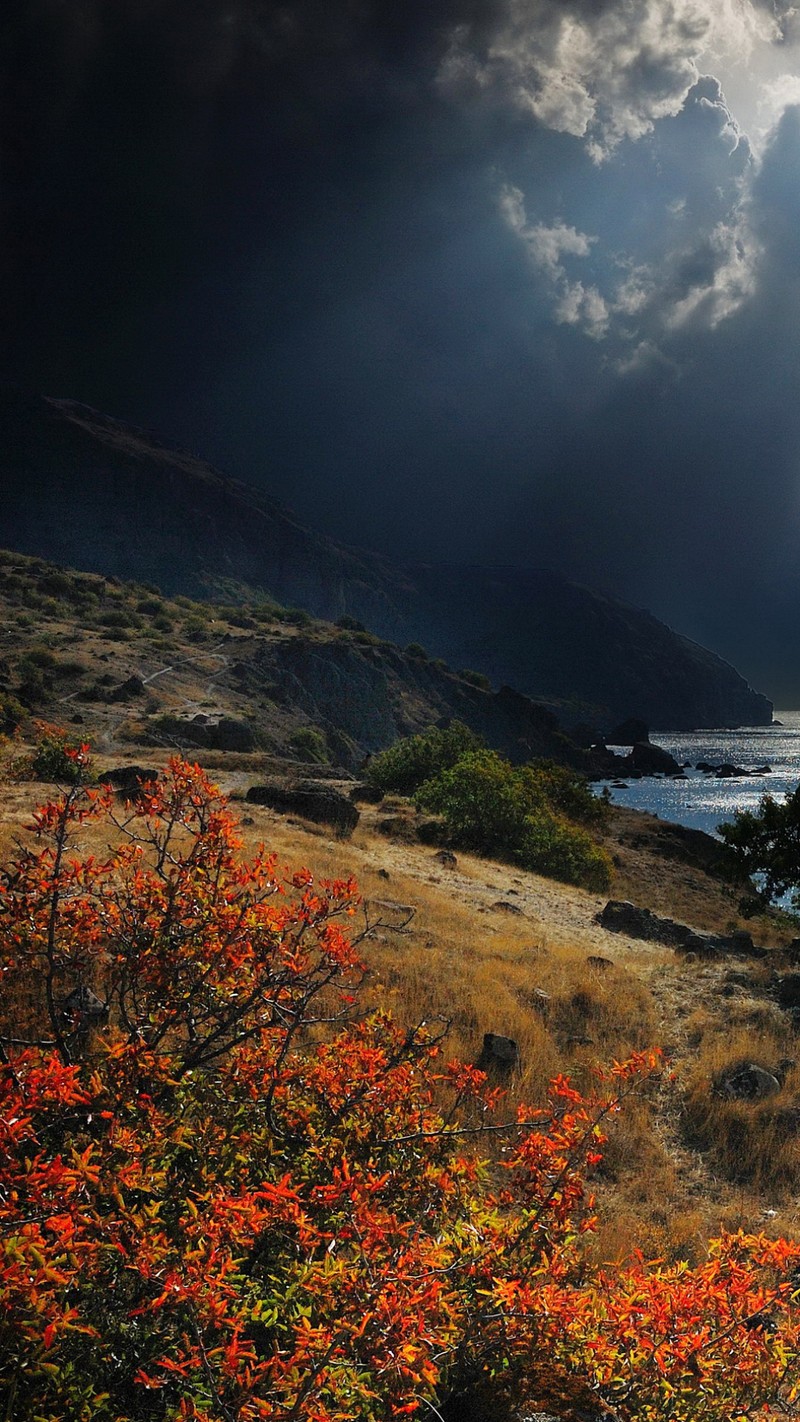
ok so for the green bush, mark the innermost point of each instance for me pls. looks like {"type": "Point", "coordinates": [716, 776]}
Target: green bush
{"type": "Point", "coordinates": [476, 679]}
{"type": "Point", "coordinates": [567, 792]}
{"type": "Point", "coordinates": [310, 744]}
{"type": "Point", "coordinates": [494, 808]}
{"type": "Point", "coordinates": [415, 650]}
{"type": "Point", "coordinates": [404, 766]}
{"type": "Point", "coordinates": [56, 757]}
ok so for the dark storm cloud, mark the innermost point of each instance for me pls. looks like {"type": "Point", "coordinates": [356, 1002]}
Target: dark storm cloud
{"type": "Point", "coordinates": [461, 278]}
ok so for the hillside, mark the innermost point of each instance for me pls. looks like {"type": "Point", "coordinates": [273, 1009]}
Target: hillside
{"type": "Point", "coordinates": [134, 668]}
{"type": "Point", "coordinates": [85, 490]}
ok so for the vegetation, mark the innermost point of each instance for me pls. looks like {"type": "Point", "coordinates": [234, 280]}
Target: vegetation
{"type": "Point", "coordinates": [310, 744]}
{"type": "Point", "coordinates": [403, 768]}
{"type": "Point", "coordinates": [765, 844]}
{"type": "Point", "coordinates": [55, 758]}
{"type": "Point", "coordinates": [494, 808]}
{"type": "Point", "coordinates": [227, 1195]}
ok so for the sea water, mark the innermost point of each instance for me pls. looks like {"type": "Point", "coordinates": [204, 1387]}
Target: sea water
{"type": "Point", "coordinates": [703, 802]}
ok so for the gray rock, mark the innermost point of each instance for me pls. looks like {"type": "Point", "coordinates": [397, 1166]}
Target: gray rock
{"type": "Point", "coordinates": [128, 780]}
{"type": "Point", "coordinates": [747, 1081]}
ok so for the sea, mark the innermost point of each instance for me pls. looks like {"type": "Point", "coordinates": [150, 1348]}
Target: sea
{"type": "Point", "coordinates": [702, 802]}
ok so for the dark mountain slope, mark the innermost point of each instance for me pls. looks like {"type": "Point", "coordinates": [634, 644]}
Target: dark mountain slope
{"type": "Point", "coordinates": [83, 489]}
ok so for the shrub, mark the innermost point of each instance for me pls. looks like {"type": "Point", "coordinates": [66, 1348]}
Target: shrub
{"type": "Point", "coordinates": [476, 678]}
{"type": "Point", "coordinates": [214, 1207]}
{"type": "Point", "coordinates": [404, 766]}
{"type": "Point", "coordinates": [494, 808]}
{"type": "Point", "coordinates": [414, 649]}
{"type": "Point", "coordinates": [310, 744]}
{"type": "Point", "coordinates": [567, 792]}
{"type": "Point", "coordinates": [56, 757]}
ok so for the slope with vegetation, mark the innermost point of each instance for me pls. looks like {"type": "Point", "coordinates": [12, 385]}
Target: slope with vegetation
{"type": "Point", "coordinates": [135, 667]}
{"type": "Point", "coordinates": [234, 1189]}
{"type": "Point", "coordinates": [161, 516]}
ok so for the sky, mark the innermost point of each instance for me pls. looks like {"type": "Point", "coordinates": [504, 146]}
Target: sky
{"type": "Point", "coordinates": [496, 281]}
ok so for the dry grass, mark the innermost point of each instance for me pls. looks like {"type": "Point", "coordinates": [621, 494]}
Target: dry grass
{"type": "Point", "coordinates": [672, 1171]}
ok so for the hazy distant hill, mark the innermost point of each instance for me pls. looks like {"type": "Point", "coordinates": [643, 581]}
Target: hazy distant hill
{"type": "Point", "coordinates": [83, 489]}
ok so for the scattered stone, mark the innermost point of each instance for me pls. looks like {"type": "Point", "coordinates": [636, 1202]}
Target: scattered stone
{"type": "Point", "coordinates": [313, 801]}
{"type": "Point", "coordinates": [747, 1081]}
{"type": "Point", "coordinates": [446, 857]}
{"type": "Point", "coordinates": [384, 874]}
{"type": "Point", "coordinates": [399, 827]}
{"type": "Point", "coordinates": [499, 1055]}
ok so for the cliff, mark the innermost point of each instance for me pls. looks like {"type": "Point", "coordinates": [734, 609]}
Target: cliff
{"type": "Point", "coordinates": [82, 489]}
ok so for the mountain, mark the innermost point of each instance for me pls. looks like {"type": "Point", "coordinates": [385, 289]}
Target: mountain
{"type": "Point", "coordinates": [83, 489]}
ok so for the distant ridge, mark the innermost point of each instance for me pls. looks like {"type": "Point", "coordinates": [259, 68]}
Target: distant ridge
{"type": "Point", "coordinates": [84, 489]}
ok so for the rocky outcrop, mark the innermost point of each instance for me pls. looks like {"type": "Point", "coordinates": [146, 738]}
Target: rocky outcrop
{"type": "Point", "coordinates": [161, 516]}
{"type": "Point", "coordinates": [317, 802]}
{"type": "Point", "coordinates": [619, 916]}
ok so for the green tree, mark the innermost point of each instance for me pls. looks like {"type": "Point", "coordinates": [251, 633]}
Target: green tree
{"type": "Point", "coordinates": [765, 844]}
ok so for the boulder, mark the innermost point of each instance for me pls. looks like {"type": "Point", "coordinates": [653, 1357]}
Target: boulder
{"type": "Point", "coordinates": [619, 916]}
{"type": "Point", "coordinates": [128, 780]}
{"type": "Point", "coordinates": [747, 1081]}
{"type": "Point", "coordinates": [127, 690]}
{"type": "Point", "coordinates": [312, 801]}
{"type": "Point", "coordinates": [446, 857]}
{"type": "Point", "coordinates": [366, 795]}
{"type": "Point", "coordinates": [501, 906]}
{"type": "Point", "coordinates": [788, 990]}
{"type": "Point", "coordinates": [499, 1055]}
{"type": "Point", "coordinates": [629, 733]}
{"type": "Point", "coordinates": [728, 772]}
{"type": "Point", "coordinates": [599, 963]}
{"type": "Point", "coordinates": [653, 760]}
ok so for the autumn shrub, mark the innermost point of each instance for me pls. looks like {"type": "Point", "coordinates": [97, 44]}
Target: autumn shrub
{"type": "Point", "coordinates": [227, 1195]}
{"type": "Point", "coordinates": [56, 757]}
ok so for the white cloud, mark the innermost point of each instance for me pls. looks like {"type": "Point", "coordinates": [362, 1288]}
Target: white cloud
{"type": "Point", "coordinates": [606, 71]}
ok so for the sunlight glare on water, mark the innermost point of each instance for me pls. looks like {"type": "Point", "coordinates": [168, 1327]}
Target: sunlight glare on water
{"type": "Point", "coordinates": [703, 802]}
